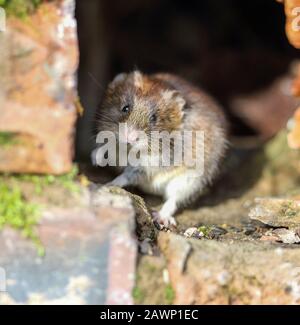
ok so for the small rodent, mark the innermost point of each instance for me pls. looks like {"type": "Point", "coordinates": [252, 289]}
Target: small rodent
{"type": "Point", "coordinates": [165, 102]}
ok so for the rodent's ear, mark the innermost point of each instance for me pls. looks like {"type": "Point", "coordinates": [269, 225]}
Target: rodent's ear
{"type": "Point", "coordinates": [174, 96]}
{"type": "Point", "coordinates": [180, 101]}
{"type": "Point", "coordinates": [137, 79]}
{"type": "Point", "coordinates": [119, 78]}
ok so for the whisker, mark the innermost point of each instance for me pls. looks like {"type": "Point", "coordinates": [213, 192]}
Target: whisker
{"type": "Point", "coordinates": [96, 81]}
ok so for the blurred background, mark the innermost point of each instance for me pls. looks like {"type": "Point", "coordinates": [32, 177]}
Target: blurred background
{"type": "Point", "coordinates": [235, 49]}
{"type": "Point", "coordinates": [238, 51]}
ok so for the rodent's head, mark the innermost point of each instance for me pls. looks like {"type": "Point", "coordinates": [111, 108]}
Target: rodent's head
{"type": "Point", "coordinates": [143, 103]}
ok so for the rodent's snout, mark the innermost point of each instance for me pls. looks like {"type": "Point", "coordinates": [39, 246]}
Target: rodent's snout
{"type": "Point", "coordinates": [129, 134]}
{"type": "Point", "coordinates": [132, 136]}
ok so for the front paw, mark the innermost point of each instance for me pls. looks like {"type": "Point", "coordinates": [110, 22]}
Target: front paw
{"type": "Point", "coordinates": [113, 183]}
{"type": "Point", "coordinates": [109, 184]}
{"type": "Point", "coordinates": [120, 181]}
{"type": "Point", "coordinates": [94, 187]}
{"type": "Point", "coordinates": [163, 221]}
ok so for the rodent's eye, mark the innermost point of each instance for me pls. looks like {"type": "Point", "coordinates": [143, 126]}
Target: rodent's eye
{"type": "Point", "coordinates": [125, 109]}
{"type": "Point", "coordinates": [153, 118]}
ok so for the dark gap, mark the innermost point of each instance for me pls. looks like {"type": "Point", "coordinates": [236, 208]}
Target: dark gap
{"type": "Point", "coordinates": [229, 47]}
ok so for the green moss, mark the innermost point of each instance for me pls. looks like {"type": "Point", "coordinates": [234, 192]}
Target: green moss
{"type": "Point", "coordinates": [277, 147]}
{"type": "Point", "coordinates": [138, 295]}
{"type": "Point", "coordinates": [16, 212]}
{"type": "Point", "coordinates": [281, 168]}
{"type": "Point", "coordinates": [19, 213]}
{"type": "Point", "coordinates": [41, 181]}
{"type": "Point", "coordinates": [288, 210]}
{"type": "Point", "coordinates": [205, 231]}
{"type": "Point", "coordinates": [169, 294]}
{"type": "Point", "coordinates": [8, 139]}
{"type": "Point", "coordinates": [20, 8]}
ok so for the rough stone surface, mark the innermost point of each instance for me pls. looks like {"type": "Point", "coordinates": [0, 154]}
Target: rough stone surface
{"type": "Point", "coordinates": [287, 236]}
{"type": "Point", "coordinates": [38, 60]}
{"type": "Point", "coordinates": [90, 256]}
{"type": "Point", "coordinates": [211, 272]}
{"type": "Point", "coordinates": [145, 227]}
{"type": "Point", "coordinates": [280, 214]}
{"type": "Point", "coordinates": [276, 212]}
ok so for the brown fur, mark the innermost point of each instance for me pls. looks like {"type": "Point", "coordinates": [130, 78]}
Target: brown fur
{"type": "Point", "coordinates": [178, 106]}
{"type": "Point", "coordinates": [198, 111]}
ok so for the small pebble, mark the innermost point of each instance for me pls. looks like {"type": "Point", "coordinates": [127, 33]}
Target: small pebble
{"type": "Point", "coordinates": [249, 229]}
{"type": "Point", "coordinates": [145, 247]}
{"type": "Point", "coordinates": [217, 232]}
{"type": "Point", "coordinates": [234, 229]}
{"type": "Point", "coordinates": [190, 232]}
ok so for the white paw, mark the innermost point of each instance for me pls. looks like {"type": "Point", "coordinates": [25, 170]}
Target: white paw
{"type": "Point", "coordinates": [166, 221]}
{"type": "Point", "coordinates": [108, 184]}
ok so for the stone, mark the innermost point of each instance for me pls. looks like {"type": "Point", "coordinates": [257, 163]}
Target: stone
{"type": "Point", "coordinates": [287, 236]}
{"type": "Point", "coordinates": [269, 237]}
{"type": "Point", "coordinates": [176, 250]}
{"type": "Point", "coordinates": [249, 229]}
{"type": "Point", "coordinates": [145, 247]}
{"type": "Point", "coordinates": [90, 256]}
{"type": "Point", "coordinates": [190, 232]}
{"type": "Point", "coordinates": [276, 212]}
{"type": "Point", "coordinates": [145, 226]}
{"type": "Point", "coordinates": [216, 232]}
{"type": "Point", "coordinates": [38, 61]}
{"type": "Point", "coordinates": [152, 281]}
{"type": "Point", "coordinates": [214, 272]}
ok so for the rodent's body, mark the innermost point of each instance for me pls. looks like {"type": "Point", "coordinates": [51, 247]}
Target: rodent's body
{"type": "Point", "coordinates": [164, 102]}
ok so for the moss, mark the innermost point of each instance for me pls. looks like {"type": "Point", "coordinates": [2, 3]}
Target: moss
{"type": "Point", "coordinates": [150, 287]}
{"type": "Point", "coordinates": [20, 213]}
{"type": "Point", "coordinates": [169, 294]}
{"type": "Point", "coordinates": [281, 168]}
{"type": "Point", "coordinates": [205, 231]}
{"type": "Point", "coordinates": [16, 212]}
{"type": "Point", "coordinates": [20, 8]}
{"type": "Point", "coordinates": [8, 139]}
{"type": "Point", "coordinates": [138, 295]}
{"type": "Point", "coordinates": [277, 147]}
{"type": "Point", "coordinates": [68, 181]}
{"type": "Point", "coordinates": [288, 210]}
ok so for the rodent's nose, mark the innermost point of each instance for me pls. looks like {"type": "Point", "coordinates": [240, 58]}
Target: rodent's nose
{"type": "Point", "coordinates": [128, 134]}
{"type": "Point", "coordinates": [132, 136]}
